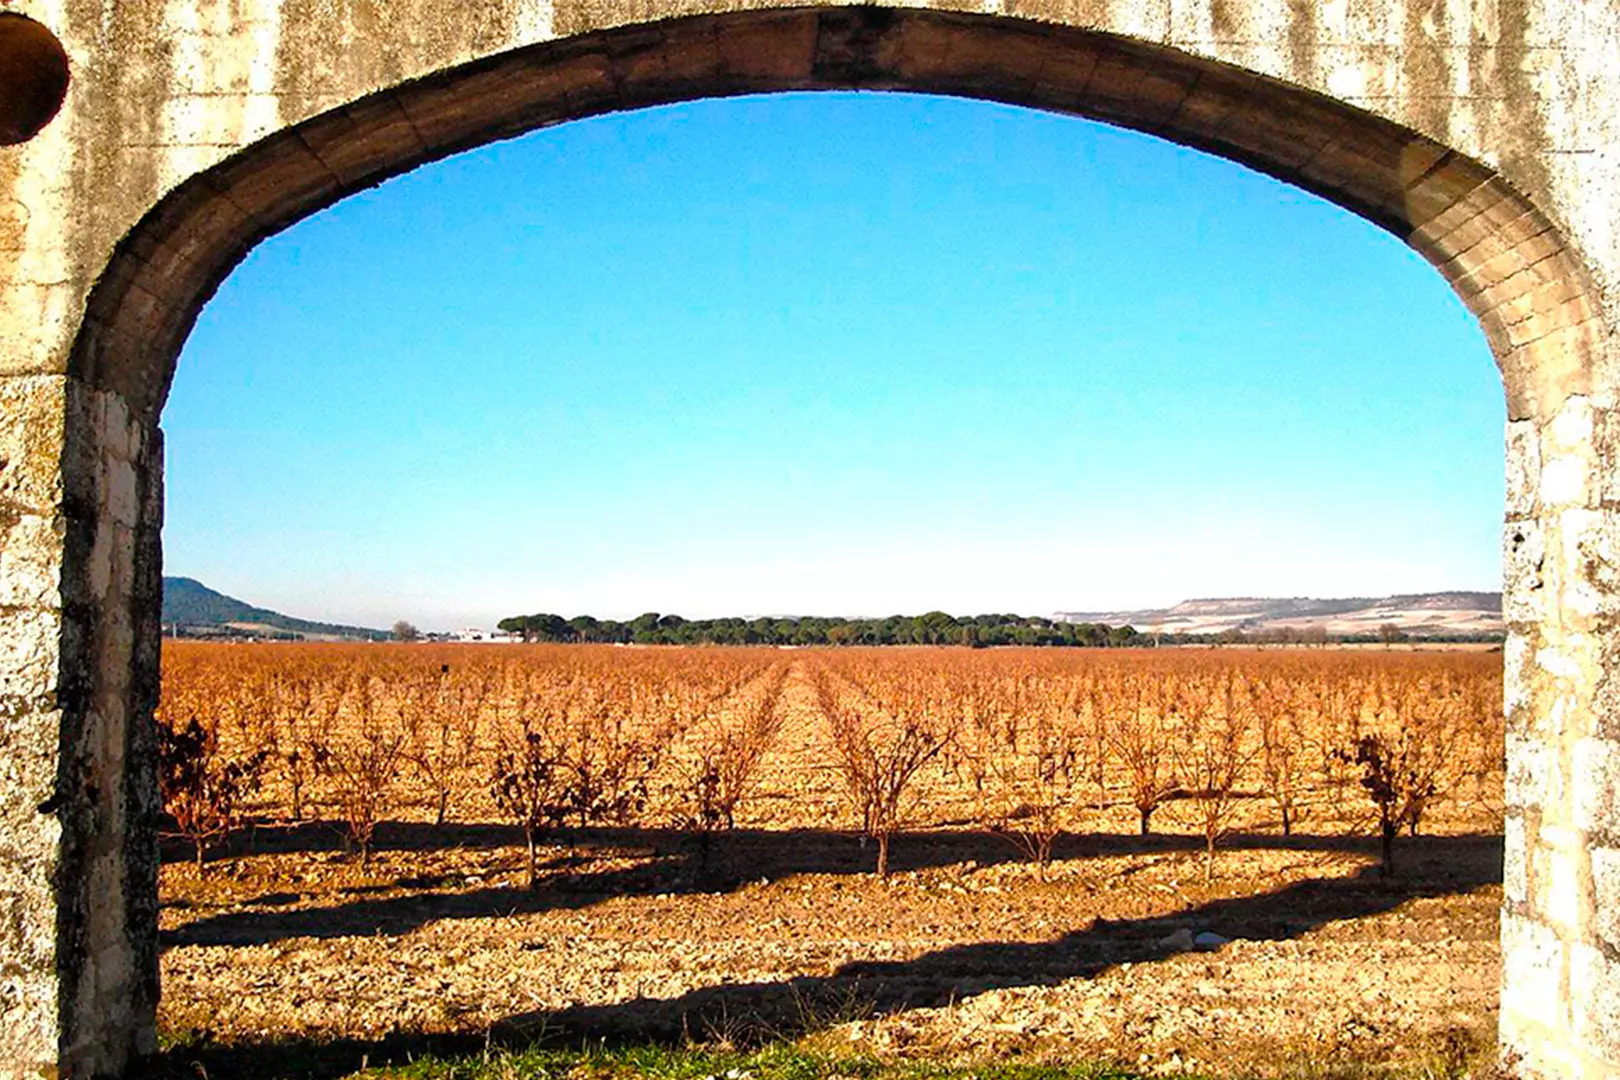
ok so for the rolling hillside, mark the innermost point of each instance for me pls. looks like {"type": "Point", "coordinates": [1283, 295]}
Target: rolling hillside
{"type": "Point", "coordinates": [193, 609]}
{"type": "Point", "coordinates": [1441, 614]}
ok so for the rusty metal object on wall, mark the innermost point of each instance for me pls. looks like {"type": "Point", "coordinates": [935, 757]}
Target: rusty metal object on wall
{"type": "Point", "coordinates": [33, 77]}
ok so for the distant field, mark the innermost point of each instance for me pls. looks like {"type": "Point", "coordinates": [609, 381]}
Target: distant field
{"type": "Point", "coordinates": [706, 825]}
{"type": "Point", "coordinates": [1419, 616]}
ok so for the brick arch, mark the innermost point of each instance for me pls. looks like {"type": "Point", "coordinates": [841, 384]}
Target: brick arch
{"type": "Point", "coordinates": [1505, 257]}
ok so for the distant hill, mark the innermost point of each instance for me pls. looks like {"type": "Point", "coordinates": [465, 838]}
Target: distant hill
{"type": "Point", "coordinates": [197, 610]}
{"type": "Point", "coordinates": [1441, 614]}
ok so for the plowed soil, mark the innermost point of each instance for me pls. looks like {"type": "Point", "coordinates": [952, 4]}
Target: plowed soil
{"type": "Point", "coordinates": [779, 929]}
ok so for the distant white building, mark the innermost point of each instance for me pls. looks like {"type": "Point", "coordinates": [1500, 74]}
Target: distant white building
{"type": "Point", "coordinates": [487, 637]}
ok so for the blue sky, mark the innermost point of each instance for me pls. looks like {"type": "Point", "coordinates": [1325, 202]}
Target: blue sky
{"type": "Point", "coordinates": [830, 354]}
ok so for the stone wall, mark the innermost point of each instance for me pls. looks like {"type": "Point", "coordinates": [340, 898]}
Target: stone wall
{"type": "Point", "coordinates": [1483, 132]}
{"type": "Point", "coordinates": [32, 416]}
{"type": "Point", "coordinates": [1561, 984]}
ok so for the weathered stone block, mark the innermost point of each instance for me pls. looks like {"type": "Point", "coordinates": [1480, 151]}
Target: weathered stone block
{"type": "Point", "coordinates": [1605, 710]}
{"type": "Point", "coordinates": [1606, 890]}
{"type": "Point", "coordinates": [1595, 789]}
{"type": "Point", "coordinates": [123, 503]}
{"type": "Point", "coordinates": [1538, 326]}
{"type": "Point", "coordinates": [505, 100]}
{"type": "Point", "coordinates": [1588, 561]}
{"type": "Point", "coordinates": [1114, 83]}
{"type": "Point", "coordinates": [37, 322]}
{"type": "Point", "coordinates": [1532, 973]}
{"type": "Point", "coordinates": [1473, 242]}
{"type": "Point", "coordinates": [1558, 896]}
{"type": "Point", "coordinates": [212, 120]}
{"type": "Point", "coordinates": [1541, 246]}
{"type": "Point", "coordinates": [1528, 774]}
{"type": "Point", "coordinates": [1357, 73]}
{"type": "Point", "coordinates": [28, 1037]}
{"type": "Point", "coordinates": [28, 653]}
{"type": "Point", "coordinates": [189, 233]}
{"type": "Point", "coordinates": [364, 140]}
{"type": "Point", "coordinates": [1518, 684]}
{"type": "Point", "coordinates": [1523, 554]}
{"type": "Point", "coordinates": [1531, 293]}
{"type": "Point", "coordinates": [657, 71]}
{"type": "Point", "coordinates": [32, 432]}
{"type": "Point", "coordinates": [776, 51]}
{"type": "Point", "coordinates": [1449, 230]}
{"type": "Point", "coordinates": [1523, 469]}
{"type": "Point", "coordinates": [30, 561]}
{"type": "Point", "coordinates": [1540, 375]}
{"type": "Point", "coordinates": [1515, 874]}
{"type": "Point", "coordinates": [1594, 991]}
{"type": "Point", "coordinates": [1449, 183]}
{"type": "Point", "coordinates": [285, 182]}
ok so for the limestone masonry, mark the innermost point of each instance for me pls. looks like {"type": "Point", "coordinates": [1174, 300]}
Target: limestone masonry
{"type": "Point", "coordinates": [1485, 133]}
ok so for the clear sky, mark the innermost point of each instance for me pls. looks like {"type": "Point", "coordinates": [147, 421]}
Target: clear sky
{"type": "Point", "coordinates": [829, 354]}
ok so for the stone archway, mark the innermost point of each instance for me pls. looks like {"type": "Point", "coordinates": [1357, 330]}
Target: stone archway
{"type": "Point", "coordinates": [197, 129]}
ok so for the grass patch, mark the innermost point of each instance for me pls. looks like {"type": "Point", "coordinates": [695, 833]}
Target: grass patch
{"type": "Point", "coordinates": [345, 1061]}
{"type": "Point", "coordinates": [423, 1059]}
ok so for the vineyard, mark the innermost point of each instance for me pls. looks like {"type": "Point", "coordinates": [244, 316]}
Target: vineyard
{"type": "Point", "coordinates": [825, 825]}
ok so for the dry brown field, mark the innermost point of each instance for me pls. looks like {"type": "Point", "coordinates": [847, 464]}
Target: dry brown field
{"type": "Point", "coordinates": [596, 842]}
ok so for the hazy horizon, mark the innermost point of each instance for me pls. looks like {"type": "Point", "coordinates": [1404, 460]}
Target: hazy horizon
{"type": "Point", "coordinates": [830, 353]}
{"type": "Point", "coordinates": [786, 614]}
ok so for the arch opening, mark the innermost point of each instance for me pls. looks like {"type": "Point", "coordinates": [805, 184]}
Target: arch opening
{"type": "Point", "coordinates": [906, 852]}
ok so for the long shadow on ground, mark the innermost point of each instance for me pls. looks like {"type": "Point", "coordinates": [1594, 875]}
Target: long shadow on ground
{"type": "Point", "coordinates": [670, 864]}
{"type": "Point", "coordinates": [912, 851]}
{"type": "Point", "coordinates": [785, 1009]}
{"type": "Point", "coordinates": [1436, 867]}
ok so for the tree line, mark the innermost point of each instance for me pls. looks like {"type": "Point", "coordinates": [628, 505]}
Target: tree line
{"type": "Point", "coordinates": [932, 628]}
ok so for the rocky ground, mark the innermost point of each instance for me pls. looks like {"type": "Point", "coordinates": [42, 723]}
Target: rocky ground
{"type": "Point", "coordinates": [963, 951]}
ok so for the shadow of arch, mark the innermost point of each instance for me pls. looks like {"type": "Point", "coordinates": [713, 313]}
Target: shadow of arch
{"type": "Point", "coordinates": [762, 1012]}
{"type": "Point", "coordinates": [1503, 257]}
